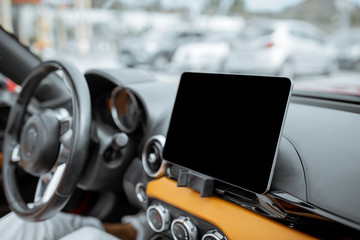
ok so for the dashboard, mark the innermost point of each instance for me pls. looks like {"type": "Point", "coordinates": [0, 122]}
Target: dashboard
{"type": "Point", "coordinates": [308, 197]}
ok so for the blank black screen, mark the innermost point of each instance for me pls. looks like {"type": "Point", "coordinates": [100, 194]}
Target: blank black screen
{"type": "Point", "coordinates": [228, 127]}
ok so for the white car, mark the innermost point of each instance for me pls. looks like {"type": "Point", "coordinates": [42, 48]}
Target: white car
{"type": "Point", "coordinates": [283, 48]}
{"type": "Point", "coordinates": [202, 56]}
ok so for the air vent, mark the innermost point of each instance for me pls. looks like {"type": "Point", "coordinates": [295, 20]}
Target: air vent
{"type": "Point", "coordinates": [153, 163]}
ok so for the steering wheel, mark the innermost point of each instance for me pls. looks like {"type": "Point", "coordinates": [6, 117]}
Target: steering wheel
{"type": "Point", "coordinates": [51, 144]}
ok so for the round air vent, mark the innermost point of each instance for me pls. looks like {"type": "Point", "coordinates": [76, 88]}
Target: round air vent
{"type": "Point", "coordinates": [153, 163]}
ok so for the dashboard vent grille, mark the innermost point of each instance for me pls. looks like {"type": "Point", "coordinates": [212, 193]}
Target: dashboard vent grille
{"type": "Point", "coordinates": [152, 160]}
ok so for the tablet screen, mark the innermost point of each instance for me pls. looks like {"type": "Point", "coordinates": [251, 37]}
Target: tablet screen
{"type": "Point", "coordinates": [228, 127]}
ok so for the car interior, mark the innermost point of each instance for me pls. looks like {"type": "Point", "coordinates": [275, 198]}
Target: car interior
{"type": "Point", "coordinates": [216, 155]}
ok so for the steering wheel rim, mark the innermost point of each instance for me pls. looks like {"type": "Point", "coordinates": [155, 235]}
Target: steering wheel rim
{"type": "Point", "coordinates": [55, 185]}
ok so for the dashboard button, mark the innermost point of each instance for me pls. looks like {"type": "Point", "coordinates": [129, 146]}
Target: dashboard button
{"type": "Point", "coordinates": [183, 229]}
{"type": "Point", "coordinates": [140, 191]}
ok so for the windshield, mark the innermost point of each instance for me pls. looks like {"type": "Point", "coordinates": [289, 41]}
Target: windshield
{"type": "Point", "coordinates": [314, 42]}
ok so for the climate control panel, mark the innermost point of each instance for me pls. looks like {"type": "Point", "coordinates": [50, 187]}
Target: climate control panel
{"type": "Point", "coordinates": [179, 225]}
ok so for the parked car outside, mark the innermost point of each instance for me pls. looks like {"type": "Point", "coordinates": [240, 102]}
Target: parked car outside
{"type": "Point", "coordinates": [348, 43]}
{"type": "Point", "coordinates": [156, 49]}
{"type": "Point", "coordinates": [207, 55]}
{"type": "Point", "coordinates": [281, 47]}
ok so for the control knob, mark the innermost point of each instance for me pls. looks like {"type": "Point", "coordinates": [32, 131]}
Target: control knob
{"type": "Point", "coordinates": [213, 235]}
{"type": "Point", "coordinates": [158, 217]}
{"type": "Point", "coordinates": [183, 229]}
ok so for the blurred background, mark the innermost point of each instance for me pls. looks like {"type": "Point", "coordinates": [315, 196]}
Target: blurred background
{"type": "Point", "coordinates": [302, 39]}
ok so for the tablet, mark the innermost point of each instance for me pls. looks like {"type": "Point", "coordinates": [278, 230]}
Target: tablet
{"type": "Point", "coordinates": [229, 127]}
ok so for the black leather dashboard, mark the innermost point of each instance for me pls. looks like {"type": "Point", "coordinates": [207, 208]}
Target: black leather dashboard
{"type": "Point", "coordinates": [325, 142]}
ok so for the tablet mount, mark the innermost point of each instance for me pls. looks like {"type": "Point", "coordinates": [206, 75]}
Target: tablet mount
{"type": "Point", "coordinates": [196, 181]}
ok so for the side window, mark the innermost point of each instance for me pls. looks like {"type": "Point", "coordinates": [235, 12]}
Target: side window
{"type": "Point", "coordinates": [299, 34]}
{"type": "Point", "coordinates": [189, 36]}
{"type": "Point", "coordinates": [184, 35]}
{"type": "Point", "coordinates": [308, 35]}
{"type": "Point", "coordinates": [317, 36]}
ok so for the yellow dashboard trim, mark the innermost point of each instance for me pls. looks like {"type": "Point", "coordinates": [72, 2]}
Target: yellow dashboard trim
{"type": "Point", "coordinates": [236, 222]}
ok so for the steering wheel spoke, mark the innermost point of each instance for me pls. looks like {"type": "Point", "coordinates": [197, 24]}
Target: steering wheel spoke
{"type": "Point", "coordinates": [48, 184]}
{"type": "Point", "coordinates": [15, 155]}
{"type": "Point", "coordinates": [49, 181]}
